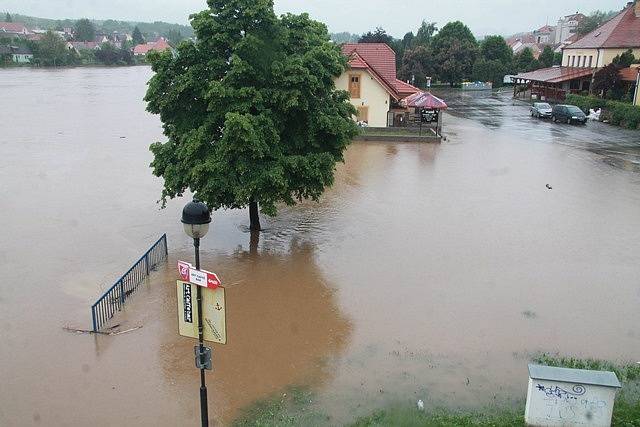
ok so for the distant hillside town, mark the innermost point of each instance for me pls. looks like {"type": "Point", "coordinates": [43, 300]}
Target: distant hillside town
{"type": "Point", "coordinates": [83, 42]}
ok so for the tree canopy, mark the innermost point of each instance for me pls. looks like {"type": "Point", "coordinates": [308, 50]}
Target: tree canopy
{"type": "Point", "coordinates": [525, 61]}
{"type": "Point", "coordinates": [593, 21]}
{"type": "Point", "coordinates": [425, 34]}
{"type": "Point", "coordinates": [625, 59]}
{"type": "Point", "coordinates": [455, 50]}
{"type": "Point", "coordinates": [547, 57]}
{"type": "Point", "coordinates": [250, 110]}
{"type": "Point", "coordinates": [377, 36]}
{"type": "Point", "coordinates": [8, 18]}
{"type": "Point", "coordinates": [495, 48]}
{"type": "Point", "coordinates": [608, 80]}
{"type": "Point", "coordinates": [137, 36]}
{"type": "Point", "coordinates": [85, 30]}
{"type": "Point", "coordinates": [108, 54]}
{"type": "Point", "coordinates": [417, 64]}
{"type": "Point", "coordinates": [51, 50]}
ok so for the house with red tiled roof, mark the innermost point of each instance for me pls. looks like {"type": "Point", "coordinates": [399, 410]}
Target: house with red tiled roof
{"type": "Point", "coordinates": [371, 81]}
{"type": "Point", "coordinates": [586, 55]}
{"type": "Point", "coordinates": [13, 29]}
{"type": "Point", "coordinates": [598, 48]}
{"type": "Point", "coordinates": [159, 45]}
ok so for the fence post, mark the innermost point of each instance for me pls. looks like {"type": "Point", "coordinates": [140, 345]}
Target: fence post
{"type": "Point", "coordinates": [93, 317]}
{"type": "Point", "coordinates": [166, 247]}
{"type": "Point", "coordinates": [121, 294]}
{"type": "Point", "coordinates": [146, 262]}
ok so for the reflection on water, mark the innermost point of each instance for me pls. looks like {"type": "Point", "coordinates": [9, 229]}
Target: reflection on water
{"type": "Point", "coordinates": [427, 271]}
{"type": "Point", "coordinates": [283, 327]}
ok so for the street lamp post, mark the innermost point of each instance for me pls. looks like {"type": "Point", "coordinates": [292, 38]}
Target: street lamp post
{"type": "Point", "coordinates": [196, 219]}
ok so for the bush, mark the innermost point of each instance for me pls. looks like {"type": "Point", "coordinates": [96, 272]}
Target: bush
{"type": "Point", "coordinates": [618, 113]}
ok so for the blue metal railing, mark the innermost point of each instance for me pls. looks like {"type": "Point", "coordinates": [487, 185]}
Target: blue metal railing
{"type": "Point", "coordinates": [105, 308]}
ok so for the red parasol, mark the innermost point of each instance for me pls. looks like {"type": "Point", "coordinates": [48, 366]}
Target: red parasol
{"type": "Point", "coordinates": [424, 100]}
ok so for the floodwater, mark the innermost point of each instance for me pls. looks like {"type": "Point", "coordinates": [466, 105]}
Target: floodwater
{"type": "Point", "coordinates": [427, 272]}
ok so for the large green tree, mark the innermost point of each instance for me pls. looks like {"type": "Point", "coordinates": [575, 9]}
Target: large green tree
{"type": "Point", "coordinates": [417, 65]}
{"type": "Point", "coordinates": [495, 48]}
{"type": "Point", "coordinates": [250, 110]}
{"type": "Point", "coordinates": [137, 36]}
{"type": "Point", "coordinates": [85, 31]}
{"type": "Point", "coordinates": [547, 57]}
{"type": "Point", "coordinates": [525, 61]}
{"type": "Point", "coordinates": [52, 50]}
{"type": "Point", "coordinates": [455, 49]}
{"type": "Point", "coordinates": [425, 34]}
{"type": "Point", "coordinates": [8, 18]}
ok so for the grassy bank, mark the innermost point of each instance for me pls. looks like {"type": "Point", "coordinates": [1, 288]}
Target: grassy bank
{"type": "Point", "coordinates": [295, 406]}
{"type": "Point", "coordinates": [615, 112]}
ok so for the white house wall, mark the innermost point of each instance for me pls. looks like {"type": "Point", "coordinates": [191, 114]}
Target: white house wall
{"type": "Point", "coordinates": [372, 95]}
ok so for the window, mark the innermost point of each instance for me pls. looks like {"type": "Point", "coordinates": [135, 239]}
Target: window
{"type": "Point", "coordinates": [573, 61]}
{"type": "Point", "coordinates": [354, 85]}
{"type": "Point", "coordinates": [590, 61]}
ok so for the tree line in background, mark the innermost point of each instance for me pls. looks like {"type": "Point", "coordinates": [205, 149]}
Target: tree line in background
{"type": "Point", "coordinates": [53, 50]}
{"type": "Point", "coordinates": [452, 55]}
{"type": "Point", "coordinates": [150, 29]}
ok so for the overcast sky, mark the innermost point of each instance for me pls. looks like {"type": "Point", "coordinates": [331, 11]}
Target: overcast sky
{"type": "Point", "coordinates": [484, 17]}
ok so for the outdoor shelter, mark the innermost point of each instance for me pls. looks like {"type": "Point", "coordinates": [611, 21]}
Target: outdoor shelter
{"type": "Point", "coordinates": [419, 109]}
{"type": "Point", "coordinates": [554, 83]}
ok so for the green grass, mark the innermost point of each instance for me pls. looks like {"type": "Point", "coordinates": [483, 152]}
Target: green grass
{"type": "Point", "coordinates": [412, 417]}
{"type": "Point", "coordinates": [295, 406]}
{"type": "Point", "coordinates": [292, 408]}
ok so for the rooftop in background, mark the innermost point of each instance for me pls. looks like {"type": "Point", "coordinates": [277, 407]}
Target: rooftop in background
{"type": "Point", "coordinates": [159, 45]}
{"type": "Point", "coordinates": [622, 31]}
{"type": "Point", "coordinates": [556, 74]}
{"type": "Point", "coordinates": [13, 28]}
{"type": "Point", "coordinates": [380, 59]}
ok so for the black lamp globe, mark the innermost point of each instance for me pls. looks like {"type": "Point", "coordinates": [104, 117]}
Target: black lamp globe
{"type": "Point", "coordinates": [196, 219]}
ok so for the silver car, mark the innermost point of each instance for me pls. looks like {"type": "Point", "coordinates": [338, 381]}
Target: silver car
{"type": "Point", "coordinates": [541, 110]}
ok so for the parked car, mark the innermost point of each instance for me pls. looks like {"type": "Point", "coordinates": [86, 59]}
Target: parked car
{"type": "Point", "coordinates": [541, 110]}
{"type": "Point", "coordinates": [568, 114]}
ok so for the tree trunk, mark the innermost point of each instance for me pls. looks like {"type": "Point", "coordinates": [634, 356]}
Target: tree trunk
{"type": "Point", "coordinates": [253, 216]}
{"type": "Point", "coordinates": [253, 243]}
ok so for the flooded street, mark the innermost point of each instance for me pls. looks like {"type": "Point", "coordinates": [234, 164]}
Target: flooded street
{"type": "Point", "coordinates": [429, 272]}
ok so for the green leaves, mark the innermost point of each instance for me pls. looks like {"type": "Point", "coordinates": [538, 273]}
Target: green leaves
{"type": "Point", "coordinates": [250, 110]}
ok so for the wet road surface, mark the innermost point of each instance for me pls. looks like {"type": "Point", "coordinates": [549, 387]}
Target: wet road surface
{"type": "Point", "coordinates": [427, 271]}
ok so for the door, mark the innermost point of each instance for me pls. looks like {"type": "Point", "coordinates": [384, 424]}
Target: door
{"type": "Point", "coordinates": [363, 114]}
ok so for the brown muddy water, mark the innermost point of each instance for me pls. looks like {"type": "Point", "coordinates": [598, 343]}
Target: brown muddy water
{"type": "Point", "coordinates": [428, 271]}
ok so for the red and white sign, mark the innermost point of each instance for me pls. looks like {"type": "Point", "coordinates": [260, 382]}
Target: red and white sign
{"type": "Point", "coordinates": [203, 278]}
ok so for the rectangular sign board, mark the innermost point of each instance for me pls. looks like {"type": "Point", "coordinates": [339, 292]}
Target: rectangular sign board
{"type": "Point", "coordinates": [203, 278]}
{"type": "Point", "coordinates": [214, 312]}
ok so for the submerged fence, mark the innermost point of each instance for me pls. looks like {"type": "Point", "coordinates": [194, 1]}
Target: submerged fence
{"type": "Point", "coordinates": [105, 308]}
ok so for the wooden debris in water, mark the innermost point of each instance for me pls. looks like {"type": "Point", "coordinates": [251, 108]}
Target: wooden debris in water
{"type": "Point", "coordinates": [111, 331]}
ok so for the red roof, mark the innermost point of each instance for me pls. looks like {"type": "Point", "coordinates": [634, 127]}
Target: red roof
{"type": "Point", "coordinates": [380, 59]}
{"type": "Point", "coordinates": [13, 28]}
{"type": "Point", "coordinates": [159, 45]}
{"type": "Point", "coordinates": [405, 89]}
{"type": "Point", "coordinates": [556, 74]}
{"type": "Point", "coordinates": [629, 74]}
{"type": "Point", "coordinates": [621, 31]}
